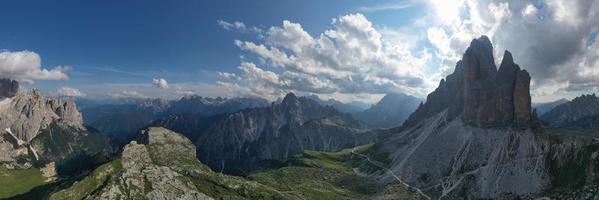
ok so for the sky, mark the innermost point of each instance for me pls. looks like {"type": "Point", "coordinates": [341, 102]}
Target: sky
{"type": "Point", "coordinates": [347, 50]}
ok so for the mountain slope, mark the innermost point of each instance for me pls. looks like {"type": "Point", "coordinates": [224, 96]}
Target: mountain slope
{"type": "Point", "coordinates": [244, 139]}
{"type": "Point", "coordinates": [568, 114]}
{"type": "Point", "coordinates": [34, 129]}
{"type": "Point", "coordinates": [392, 110]}
{"type": "Point", "coordinates": [161, 164]}
{"type": "Point", "coordinates": [475, 137]}
{"type": "Point", "coordinates": [43, 142]}
{"type": "Point", "coordinates": [543, 108]}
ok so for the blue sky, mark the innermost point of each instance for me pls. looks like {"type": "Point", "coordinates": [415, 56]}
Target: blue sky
{"type": "Point", "coordinates": [117, 48]}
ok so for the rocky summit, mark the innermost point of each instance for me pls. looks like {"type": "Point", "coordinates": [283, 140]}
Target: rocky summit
{"type": "Point", "coordinates": [479, 93]}
{"type": "Point", "coordinates": [160, 164]}
{"type": "Point", "coordinates": [476, 138]}
{"type": "Point", "coordinates": [8, 88]}
{"type": "Point", "coordinates": [35, 129]}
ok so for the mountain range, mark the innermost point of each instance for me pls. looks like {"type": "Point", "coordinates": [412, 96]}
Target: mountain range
{"type": "Point", "coordinates": [122, 120]}
{"type": "Point", "coordinates": [244, 140]}
{"type": "Point", "coordinates": [476, 136]}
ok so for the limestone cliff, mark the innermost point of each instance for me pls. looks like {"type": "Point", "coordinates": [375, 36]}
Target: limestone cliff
{"type": "Point", "coordinates": [479, 93]}
{"type": "Point", "coordinates": [476, 138]}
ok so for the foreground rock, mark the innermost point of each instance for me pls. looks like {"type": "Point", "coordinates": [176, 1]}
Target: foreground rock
{"type": "Point", "coordinates": [161, 164]}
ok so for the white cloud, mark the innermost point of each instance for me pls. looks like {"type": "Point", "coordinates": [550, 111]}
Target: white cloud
{"type": "Point", "coordinates": [386, 6]}
{"type": "Point", "coordinates": [239, 26]}
{"type": "Point", "coordinates": [547, 38]}
{"type": "Point", "coordinates": [26, 66]}
{"type": "Point", "coordinates": [351, 57]}
{"type": "Point", "coordinates": [160, 83]}
{"type": "Point", "coordinates": [127, 94]}
{"type": "Point", "coordinates": [70, 92]}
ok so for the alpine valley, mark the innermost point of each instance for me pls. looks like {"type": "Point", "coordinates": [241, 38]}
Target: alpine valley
{"type": "Point", "coordinates": [476, 136]}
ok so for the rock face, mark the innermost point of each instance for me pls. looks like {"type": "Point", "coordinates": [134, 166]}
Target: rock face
{"type": "Point", "coordinates": [8, 88]}
{"type": "Point", "coordinates": [392, 110]}
{"type": "Point", "coordinates": [161, 164]}
{"type": "Point", "coordinates": [479, 93]}
{"type": "Point", "coordinates": [36, 130]}
{"type": "Point", "coordinates": [27, 113]}
{"type": "Point", "coordinates": [581, 112]}
{"type": "Point", "coordinates": [475, 137]}
{"type": "Point", "coordinates": [244, 139]}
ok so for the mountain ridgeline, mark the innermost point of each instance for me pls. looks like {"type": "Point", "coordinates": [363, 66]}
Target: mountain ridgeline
{"type": "Point", "coordinates": [391, 111]}
{"type": "Point", "coordinates": [123, 120]}
{"type": "Point", "coordinates": [244, 140]}
{"type": "Point", "coordinates": [581, 112]}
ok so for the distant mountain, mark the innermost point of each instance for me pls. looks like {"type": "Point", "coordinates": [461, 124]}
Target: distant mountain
{"type": "Point", "coordinates": [545, 107]}
{"type": "Point", "coordinates": [578, 113]}
{"type": "Point", "coordinates": [35, 131]}
{"type": "Point", "coordinates": [242, 140]}
{"type": "Point", "coordinates": [392, 110]}
{"type": "Point", "coordinates": [350, 107]}
{"type": "Point", "coordinates": [122, 120]}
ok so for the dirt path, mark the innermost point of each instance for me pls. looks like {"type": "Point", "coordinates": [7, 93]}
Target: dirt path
{"type": "Point", "coordinates": [353, 151]}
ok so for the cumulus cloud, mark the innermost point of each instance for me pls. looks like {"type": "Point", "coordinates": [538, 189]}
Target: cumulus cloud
{"type": "Point", "coordinates": [26, 66]}
{"type": "Point", "coordinates": [552, 39]}
{"type": "Point", "coordinates": [70, 92]}
{"type": "Point", "coordinates": [127, 94]}
{"type": "Point", "coordinates": [351, 57]}
{"type": "Point", "coordinates": [160, 83]}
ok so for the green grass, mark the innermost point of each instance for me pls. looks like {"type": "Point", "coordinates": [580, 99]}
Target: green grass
{"type": "Point", "coordinates": [15, 182]}
{"type": "Point", "coordinates": [94, 181]}
{"type": "Point", "coordinates": [329, 175]}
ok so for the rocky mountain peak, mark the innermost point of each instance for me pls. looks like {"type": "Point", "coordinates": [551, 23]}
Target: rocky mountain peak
{"type": "Point", "coordinates": [479, 93]}
{"type": "Point", "coordinates": [290, 98]}
{"type": "Point", "coordinates": [8, 88]}
{"type": "Point", "coordinates": [26, 114]}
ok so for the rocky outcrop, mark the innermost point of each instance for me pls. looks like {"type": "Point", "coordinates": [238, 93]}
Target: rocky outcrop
{"type": "Point", "coordinates": [27, 113]}
{"type": "Point", "coordinates": [391, 111]}
{"type": "Point", "coordinates": [476, 137]}
{"type": "Point", "coordinates": [8, 88]}
{"type": "Point", "coordinates": [35, 131]}
{"type": "Point", "coordinates": [479, 93]}
{"type": "Point", "coordinates": [242, 140]}
{"type": "Point", "coordinates": [161, 164]}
